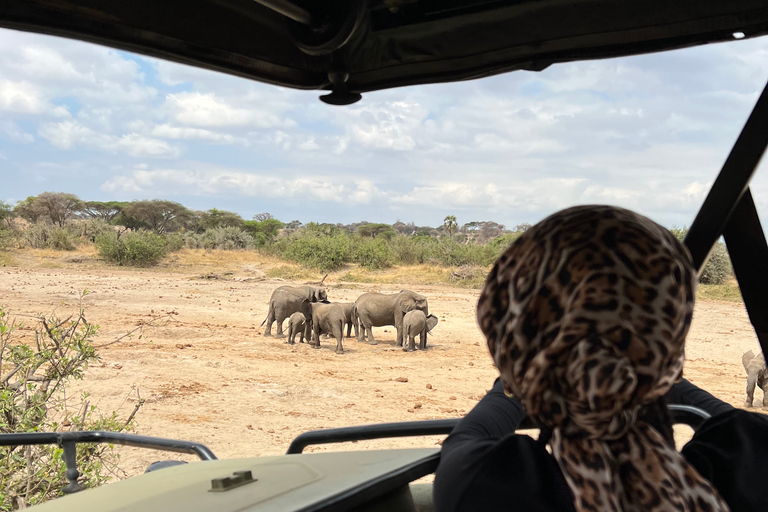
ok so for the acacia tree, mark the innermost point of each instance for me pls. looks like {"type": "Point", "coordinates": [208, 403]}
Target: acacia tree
{"type": "Point", "coordinates": [27, 209]}
{"type": "Point", "coordinates": [6, 213]}
{"type": "Point", "coordinates": [262, 216]}
{"type": "Point", "coordinates": [214, 218]}
{"type": "Point", "coordinates": [58, 206]}
{"type": "Point", "coordinates": [374, 230]}
{"type": "Point", "coordinates": [161, 216]}
{"type": "Point", "coordinates": [522, 226]}
{"type": "Point", "coordinates": [450, 224]}
{"type": "Point", "coordinates": [106, 211]}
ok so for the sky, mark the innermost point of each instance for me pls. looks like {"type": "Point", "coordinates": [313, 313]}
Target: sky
{"type": "Point", "coordinates": [646, 132]}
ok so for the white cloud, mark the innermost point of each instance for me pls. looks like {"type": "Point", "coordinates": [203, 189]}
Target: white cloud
{"type": "Point", "coordinates": [167, 131]}
{"type": "Point", "coordinates": [71, 134]}
{"type": "Point", "coordinates": [207, 110]}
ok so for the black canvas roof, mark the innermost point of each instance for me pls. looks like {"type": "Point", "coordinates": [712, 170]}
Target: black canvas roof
{"type": "Point", "coordinates": [379, 44]}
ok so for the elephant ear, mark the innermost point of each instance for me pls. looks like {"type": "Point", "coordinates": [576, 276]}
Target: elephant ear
{"type": "Point", "coordinates": [746, 358]}
{"type": "Point", "coordinates": [431, 322]}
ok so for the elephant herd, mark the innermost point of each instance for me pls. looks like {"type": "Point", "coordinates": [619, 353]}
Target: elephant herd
{"type": "Point", "coordinates": [310, 314]}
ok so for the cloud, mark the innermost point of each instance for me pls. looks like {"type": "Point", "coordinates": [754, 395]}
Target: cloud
{"type": "Point", "coordinates": [207, 110]}
{"type": "Point", "coordinates": [71, 134]}
{"type": "Point", "coordinates": [167, 131]}
{"type": "Point", "coordinates": [218, 182]}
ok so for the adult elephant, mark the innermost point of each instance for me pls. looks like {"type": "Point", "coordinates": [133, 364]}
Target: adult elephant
{"type": "Point", "coordinates": [312, 293]}
{"type": "Point", "coordinates": [327, 318]}
{"type": "Point", "coordinates": [287, 300]}
{"type": "Point", "coordinates": [379, 309]}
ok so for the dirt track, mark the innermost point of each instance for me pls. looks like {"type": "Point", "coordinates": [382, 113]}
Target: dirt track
{"type": "Point", "coordinates": [208, 375]}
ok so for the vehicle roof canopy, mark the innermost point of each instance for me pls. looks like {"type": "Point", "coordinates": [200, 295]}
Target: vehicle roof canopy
{"type": "Point", "coordinates": [378, 44]}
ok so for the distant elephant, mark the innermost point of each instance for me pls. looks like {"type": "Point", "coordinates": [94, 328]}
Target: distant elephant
{"type": "Point", "coordinates": [285, 301]}
{"type": "Point", "coordinates": [349, 317]}
{"type": "Point", "coordinates": [417, 323]}
{"type": "Point", "coordinates": [756, 374]}
{"type": "Point", "coordinates": [378, 310]}
{"type": "Point", "coordinates": [299, 323]}
{"type": "Point", "coordinates": [327, 318]}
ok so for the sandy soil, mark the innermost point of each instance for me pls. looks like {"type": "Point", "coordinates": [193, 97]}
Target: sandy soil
{"type": "Point", "coordinates": [209, 375]}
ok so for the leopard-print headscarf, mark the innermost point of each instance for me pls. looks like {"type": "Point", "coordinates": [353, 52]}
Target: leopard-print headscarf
{"type": "Point", "coordinates": [586, 316]}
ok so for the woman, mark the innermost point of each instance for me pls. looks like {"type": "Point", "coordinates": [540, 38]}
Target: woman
{"type": "Point", "coordinates": [586, 316]}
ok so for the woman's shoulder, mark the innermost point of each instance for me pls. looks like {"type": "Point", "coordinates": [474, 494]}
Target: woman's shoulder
{"type": "Point", "coordinates": [483, 474]}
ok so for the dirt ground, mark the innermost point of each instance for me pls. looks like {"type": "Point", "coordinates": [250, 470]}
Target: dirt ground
{"type": "Point", "coordinates": [209, 375]}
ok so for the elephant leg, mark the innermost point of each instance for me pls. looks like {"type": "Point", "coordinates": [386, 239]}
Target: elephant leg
{"type": "Point", "coordinates": [270, 320]}
{"type": "Point", "coordinates": [423, 340]}
{"type": "Point", "coordinates": [751, 381]}
{"type": "Point", "coordinates": [349, 329]}
{"type": "Point", "coordinates": [362, 331]}
{"type": "Point", "coordinates": [339, 336]}
{"type": "Point", "coordinates": [280, 318]}
{"type": "Point", "coordinates": [371, 339]}
{"type": "Point", "coordinates": [291, 334]}
{"type": "Point", "coordinates": [315, 341]}
{"type": "Point", "coordinates": [763, 383]}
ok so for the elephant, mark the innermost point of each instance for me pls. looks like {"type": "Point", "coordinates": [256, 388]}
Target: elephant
{"type": "Point", "coordinates": [327, 318]}
{"type": "Point", "coordinates": [313, 293]}
{"type": "Point", "coordinates": [378, 309]}
{"type": "Point", "coordinates": [299, 324]}
{"type": "Point", "coordinates": [415, 322]}
{"type": "Point", "coordinates": [285, 301]}
{"type": "Point", "coordinates": [756, 374]}
{"type": "Point", "coordinates": [349, 317]}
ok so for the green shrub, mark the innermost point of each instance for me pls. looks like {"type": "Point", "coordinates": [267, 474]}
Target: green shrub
{"type": "Point", "coordinates": [452, 254]}
{"type": "Point", "coordinates": [324, 253]}
{"type": "Point", "coordinates": [88, 229]}
{"type": "Point", "coordinates": [35, 396]}
{"type": "Point", "coordinates": [227, 238]}
{"type": "Point", "coordinates": [718, 268]}
{"type": "Point", "coordinates": [373, 254]}
{"type": "Point", "coordinates": [136, 248]}
{"type": "Point", "coordinates": [408, 250]}
{"type": "Point", "coordinates": [174, 242]}
{"type": "Point", "coordinates": [7, 239]}
{"type": "Point", "coordinates": [500, 244]}
{"type": "Point", "coordinates": [43, 235]}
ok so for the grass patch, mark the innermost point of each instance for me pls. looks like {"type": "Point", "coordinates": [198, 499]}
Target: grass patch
{"type": "Point", "coordinates": [6, 260]}
{"type": "Point", "coordinates": [728, 292]}
{"type": "Point", "coordinates": [217, 258]}
{"type": "Point", "coordinates": [410, 275]}
{"type": "Point", "coordinates": [293, 273]}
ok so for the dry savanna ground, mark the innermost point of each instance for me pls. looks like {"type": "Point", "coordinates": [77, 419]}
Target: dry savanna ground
{"type": "Point", "coordinates": [208, 375]}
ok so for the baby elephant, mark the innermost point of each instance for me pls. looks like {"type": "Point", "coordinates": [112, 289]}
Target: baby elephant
{"type": "Point", "coordinates": [297, 324]}
{"type": "Point", "coordinates": [415, 322]}
{"type": "Point", "coordinates": [756, 374]}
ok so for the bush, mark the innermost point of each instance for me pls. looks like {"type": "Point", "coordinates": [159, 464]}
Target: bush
{"type": "Point", "coordinates": [324, 253]}
{"type": "Point", "coordinates": [174, 242]}
{"type": "Point", "coordinates": [407, 249]}
{"type": "Point", "coordinates": [7, 239]}
{"type": "Point", "coordinates": [452, 254]}
{"type": "Point", "coordinates": [500, 244]}
{"type": "Point", "coordinates": [34, 397]}
{"type": "Point", "coordinates": [373, 254]}
{"type": "Point", "coordinates": [718, 268]}
{"type": "Point", "coordinates": [228, 238]}
{"type": "Point", "coordinates": [136, 248]}
{"type": "Point", "coordinates": [89, 229]}
{"type": "Point", "coordinates": [43, 235]}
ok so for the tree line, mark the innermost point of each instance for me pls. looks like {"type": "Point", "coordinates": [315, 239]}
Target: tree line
{"type": "Point", "coordinates": [143, 232]}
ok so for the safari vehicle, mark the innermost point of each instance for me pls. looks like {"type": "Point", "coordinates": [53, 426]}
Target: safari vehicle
{"type": "Point", "coordinates": [348, 48]}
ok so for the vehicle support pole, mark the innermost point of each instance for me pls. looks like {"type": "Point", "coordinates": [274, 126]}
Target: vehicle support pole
{"type": "Point", "coordinates": [730, 184]}
{"type": "Point", "coordinates": [748, 249]}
